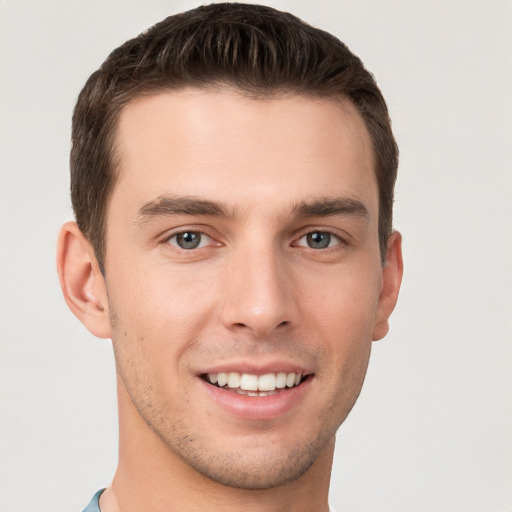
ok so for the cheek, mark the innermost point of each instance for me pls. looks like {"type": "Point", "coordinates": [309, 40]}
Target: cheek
{"type": "Point", "coordinates": [343, 319]}
{"type": "Point", "coordinates": [154, 321]}
{"type": "Point", "coordinates": [346, 302]}
{"type": "Point", "coordinates": [158, 300]}
{"type": "Point", "coordinates": [346, 321]}
{"type": "Point", "coordinates": [159, 317]}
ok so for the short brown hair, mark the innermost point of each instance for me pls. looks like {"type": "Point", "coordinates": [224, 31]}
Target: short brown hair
{"type": "Point", "coordinates": [256, 49]}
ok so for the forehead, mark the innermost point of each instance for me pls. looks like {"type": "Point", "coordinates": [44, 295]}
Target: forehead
{"type": "Point", "coordinates": [225, 146]}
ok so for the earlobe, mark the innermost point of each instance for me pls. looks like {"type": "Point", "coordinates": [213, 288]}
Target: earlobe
{"type": "Point", "coordinates": [391, 279]}
{"type": "Point", "coordinates": [81, 281]}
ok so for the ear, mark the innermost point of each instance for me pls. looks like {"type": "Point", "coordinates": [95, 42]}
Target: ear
{"type": "Point", "coordinates": [391, 279]}
{"type": "Point", "coordinates": [81, 281]}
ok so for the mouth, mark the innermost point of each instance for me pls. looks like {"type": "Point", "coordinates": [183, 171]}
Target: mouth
{"type": "Point", "coordinates": [253, 385]}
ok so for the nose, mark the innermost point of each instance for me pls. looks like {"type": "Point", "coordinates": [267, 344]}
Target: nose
{"type": "Point", "coordinates": [259, 294]}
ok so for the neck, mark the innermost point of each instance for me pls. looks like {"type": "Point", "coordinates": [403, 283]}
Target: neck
{"type": "Point", "coordinates": [151, 477]}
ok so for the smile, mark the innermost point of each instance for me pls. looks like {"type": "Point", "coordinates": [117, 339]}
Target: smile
{"type": "Point", "coordinates": [255, 385]}
{"type": "Point", "coordinates": [257, 394]}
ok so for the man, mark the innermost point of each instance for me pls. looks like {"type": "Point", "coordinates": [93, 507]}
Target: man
{"type": "Point", "coordinates": [232, 175]}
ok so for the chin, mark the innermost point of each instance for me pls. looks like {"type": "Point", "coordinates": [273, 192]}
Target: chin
{"type": "Point", "coordinates": [254, 463]}
{"type": "Point", "coordinates": [261, 471]}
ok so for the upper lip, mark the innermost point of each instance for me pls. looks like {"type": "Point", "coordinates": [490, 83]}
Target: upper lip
{"type": "Point", "coordinates": [256, 368]}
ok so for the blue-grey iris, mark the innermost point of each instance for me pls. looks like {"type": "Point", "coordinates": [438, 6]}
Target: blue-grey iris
{"type": "Point", "coordinates": [188, 239]}
{"type": "Point", "coordinates": [318, 240]}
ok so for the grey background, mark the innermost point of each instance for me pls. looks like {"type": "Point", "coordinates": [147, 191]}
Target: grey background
{"type": "Point", "coordinates": [432, 430]}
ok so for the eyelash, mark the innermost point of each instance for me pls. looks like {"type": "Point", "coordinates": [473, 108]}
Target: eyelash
{"type": "Point", "coordinates": [202, 243]}
{"type": "Point", "coordinates": [330, 238]}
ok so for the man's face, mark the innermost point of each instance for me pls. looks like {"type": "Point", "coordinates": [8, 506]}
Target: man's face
{"type": "Point", "coordinates": [242, 244]}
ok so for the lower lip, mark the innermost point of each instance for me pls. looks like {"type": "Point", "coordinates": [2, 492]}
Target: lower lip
{"type": "Point", "coordinates": [258, 407]}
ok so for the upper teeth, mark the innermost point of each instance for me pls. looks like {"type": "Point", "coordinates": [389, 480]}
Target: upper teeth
{"type": "Point", "coordinates": [251, 382]}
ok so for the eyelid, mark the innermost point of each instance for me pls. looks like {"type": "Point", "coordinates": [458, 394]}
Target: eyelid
{"type": "Point", "coordinates": [337, 238]}
{"type": "Point", "coordinates": [166, 239]}
{"type": "Point", "coordinates": [342, 237]}
{"type": "Point", "coordinates": [205, 240]}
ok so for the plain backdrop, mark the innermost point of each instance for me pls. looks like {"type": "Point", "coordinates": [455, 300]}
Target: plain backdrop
{"type": "Point", "coordinates": [432, 431]}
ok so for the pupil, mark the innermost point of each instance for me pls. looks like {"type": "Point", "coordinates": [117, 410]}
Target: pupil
{"type": "Point", "coordinates": [188, 240]}
{"type": "Point", "coordinates": [319, 240]}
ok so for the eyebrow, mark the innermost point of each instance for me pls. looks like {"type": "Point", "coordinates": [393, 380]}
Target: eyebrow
{"type": "Point", "coordinates": [190, 205]}
{"type": "Point", "coordinates": [182, 205]}
{"type": "Point", "coordinates": [325, 207]}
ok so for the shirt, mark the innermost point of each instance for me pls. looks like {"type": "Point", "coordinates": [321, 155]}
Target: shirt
{"type": "Point", "coordinates": [94, 505]}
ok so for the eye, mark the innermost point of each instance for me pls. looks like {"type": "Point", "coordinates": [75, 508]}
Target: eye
{"type": "Point", "coordinates": [319, 240]}
{"type": "Point", "coordinates": [189, 240]}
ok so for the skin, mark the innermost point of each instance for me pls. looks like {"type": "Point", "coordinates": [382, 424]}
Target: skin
{"type": "Point", "coordinates": [253, 295]}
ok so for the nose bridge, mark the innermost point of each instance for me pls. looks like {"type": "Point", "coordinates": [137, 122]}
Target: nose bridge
{"type": "Point", "coordinates": [259, 294]}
